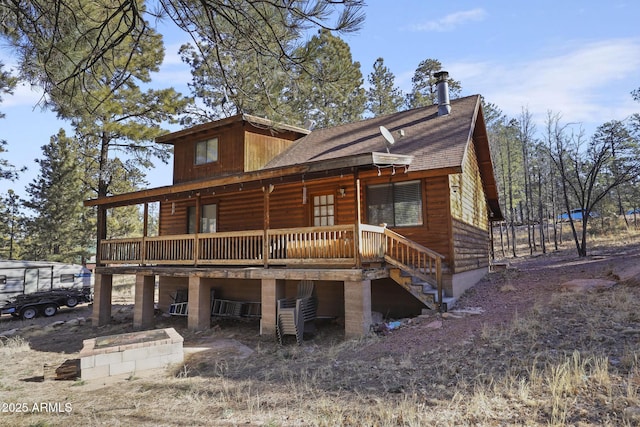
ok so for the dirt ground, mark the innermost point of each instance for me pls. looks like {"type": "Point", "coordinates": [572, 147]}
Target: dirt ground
{"type": "Point", "coordinates": [494, 301]}
{"type": "Point", "coordinates": [526, 282]}
{"type": "Point", "coordinates": [379, 365]}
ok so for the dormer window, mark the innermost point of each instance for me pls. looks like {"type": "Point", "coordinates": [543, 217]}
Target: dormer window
{"type": "Point", "coordinates": [207, 151]}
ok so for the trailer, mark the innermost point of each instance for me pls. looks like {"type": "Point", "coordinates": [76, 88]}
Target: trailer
{"type": "Point", "coordinates": [30, 288]}
{"type": "Point", "coordinates": [46, 303]}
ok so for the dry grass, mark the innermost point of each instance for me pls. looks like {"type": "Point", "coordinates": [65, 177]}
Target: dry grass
{"type": "Point", "coordinates": [574, 361]}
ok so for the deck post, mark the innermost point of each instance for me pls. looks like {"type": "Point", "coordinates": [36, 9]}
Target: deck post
{"type": "Point", "coordinates": [145, 234]}
{"type": "Point", "coordinates": [265, 239]}
{"type": "Point", "coordinates": [144, 301]}
{"type": "Point", "coordinates": [145, 221]}
{"type": "Point", "coordinates": [102, 288]}
{"type": "Point", "coordinates": [199, 317]}
{"type": "Point", "coordinates": [439, 282]}
{"type": "Point", "coordinates": [101, 225]}
{"type": "Point", "coordinates": [271, 290]}
{"type": "Point", "coordinates": [357, 308]}
{"type": "Point", "coordinates": [196, 241]}
{"type": "Point", "coordinates": [357, 238]}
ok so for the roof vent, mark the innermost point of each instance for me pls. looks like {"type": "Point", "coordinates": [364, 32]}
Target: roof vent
{"type": "Point", "coordinates": [442, 87]}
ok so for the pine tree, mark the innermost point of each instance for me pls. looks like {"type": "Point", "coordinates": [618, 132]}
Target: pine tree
{"type": "Point", "coordinates": [125, 221]}
{"type": "Point", "coordinates": [423, 91]}
{"type": "Point", "coordinates": [113, 118]}
{"type": "Point", "coordinates": [232, 78]}
{"type": "Point", "coordinates": [11, 226]}
{"type": "Point", "coordinates": [7, 84]}
{"type": "Point", "coordinates": [329, 88]}
{"type": "Point", "coordinates": [383, 97]}
{"type": "Point", "coordinates": [65, 44]}
{"type": "Point", "coordinates": [59, 230]}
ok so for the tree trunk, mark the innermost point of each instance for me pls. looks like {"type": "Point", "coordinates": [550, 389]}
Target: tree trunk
{"type": "Point", "coordinates": [540, 215]}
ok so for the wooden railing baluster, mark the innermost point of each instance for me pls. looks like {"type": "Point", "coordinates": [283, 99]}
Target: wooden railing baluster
{"type": "Point", "coordinates": [288, 246]}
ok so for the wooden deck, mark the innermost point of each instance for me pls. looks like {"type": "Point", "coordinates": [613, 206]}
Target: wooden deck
{"type": "Point", "coordinates": [335, 245]}
{"type": "Point", "coordinates": [343, 246]}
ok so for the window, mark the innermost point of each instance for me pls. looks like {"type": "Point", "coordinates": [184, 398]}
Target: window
{"type": "Point", "coordinates": [207, 151]}
{"type": "Point", "coordinates": [323, 210]}
{"type": "Point", "coordinates": [3, 280]}
{"type": "Point", "coordinates": [208, 219]}
{"type": "Point", "coordinates": [395, 204]}
{"type": "Point", "coordinates": [66, 278]}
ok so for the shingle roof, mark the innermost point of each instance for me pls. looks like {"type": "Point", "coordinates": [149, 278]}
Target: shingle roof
{"type": "Point", "coordinates": [434, 141]}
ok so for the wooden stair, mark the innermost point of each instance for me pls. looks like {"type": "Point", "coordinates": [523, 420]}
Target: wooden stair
{"type": "Point", "coordinates": [422, 290]}
{"type": "Point", "coordinates": [415, 268]}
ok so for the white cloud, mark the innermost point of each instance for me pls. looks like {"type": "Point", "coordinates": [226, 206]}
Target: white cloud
{"type": "Point", "coordinates": [588, 84]}
{"type": "Point", "coordinates": [173, 71]}
{"type": "Point", "coordinates": [171, 56]}
{"type": "Point", "coordinates": [23, 95]}
{"type": "Point", "coordinates": [452, 21]}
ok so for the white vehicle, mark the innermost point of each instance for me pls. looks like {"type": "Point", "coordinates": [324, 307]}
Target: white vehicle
{"type": "Point", "coordinates": [28, 277]}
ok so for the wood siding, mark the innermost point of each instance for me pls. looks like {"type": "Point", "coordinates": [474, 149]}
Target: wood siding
{"type": "Point", "coordinates": [470, 216]}
{"type": "Point", "coordinates": [260, 149]}
{"type": "Point", "coordinates": [435, 231]}
{"type": "Point", "coordinates": [241, 148]}
{"type": "Point", "coordinates": [470, 246]}
{"type": "Point", "coordinates": [289, 209]}
{"type": "Point", "coordinates": [244, 209]}
{"type": "Point", "coordinates": [468, 202]}
{"type": "Point", "coordinates": [230, 154]}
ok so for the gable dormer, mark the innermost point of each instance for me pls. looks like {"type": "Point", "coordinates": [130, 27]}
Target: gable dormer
{"type": "Point", "coordinates": [237, 144]}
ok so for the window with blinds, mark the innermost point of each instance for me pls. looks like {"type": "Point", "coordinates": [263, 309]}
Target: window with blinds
{"type": "Point", "coordinates": [396, 204]}
{"type": "Point", "coordinates": [206, 151]}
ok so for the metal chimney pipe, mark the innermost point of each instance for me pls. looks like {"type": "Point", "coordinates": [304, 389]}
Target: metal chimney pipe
{"type": "Point", "coordinates": [442, 87]}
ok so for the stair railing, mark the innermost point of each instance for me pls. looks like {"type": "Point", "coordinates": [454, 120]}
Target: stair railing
{"type": "Point", "coordinates": [414, 259]}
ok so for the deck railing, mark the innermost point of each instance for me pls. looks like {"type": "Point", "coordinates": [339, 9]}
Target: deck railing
{"type": "Point", "coordinates": [233, 247]}
{"type": "Point", "coordinates": [372, 243]}
{"type": "Point", "coordinates": [121, 251]}
{"type": "Point", "coordinates": [414, 258]}
{"type": "Point", "coordinates": [168, 249]}
{"type": "Point", "coordinates": [313, 245]}
{"type": "Point", "coordinates": [332, 245]}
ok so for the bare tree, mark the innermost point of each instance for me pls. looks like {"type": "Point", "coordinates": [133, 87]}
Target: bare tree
{"type": "Point", "coordinates": [590, 170]}
{"type": "Point", "coordinates": [526, 130]}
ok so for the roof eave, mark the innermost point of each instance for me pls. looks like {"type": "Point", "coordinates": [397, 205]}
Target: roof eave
{"type": "Point", "coordinates": [173, 137]}
{"type": "Point", "coordinates": [337, 164]}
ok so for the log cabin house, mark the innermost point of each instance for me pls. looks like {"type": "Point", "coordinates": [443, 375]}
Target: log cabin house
{"type": "Point", "coordinates": [256, 207]}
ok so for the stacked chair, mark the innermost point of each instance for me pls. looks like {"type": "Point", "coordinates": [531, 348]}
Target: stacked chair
{"type": "Point", "coordinates": [294, 313]}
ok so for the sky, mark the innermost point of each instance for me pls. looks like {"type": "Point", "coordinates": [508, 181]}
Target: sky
{"type": "Point", "coordinates": [579, 59]}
